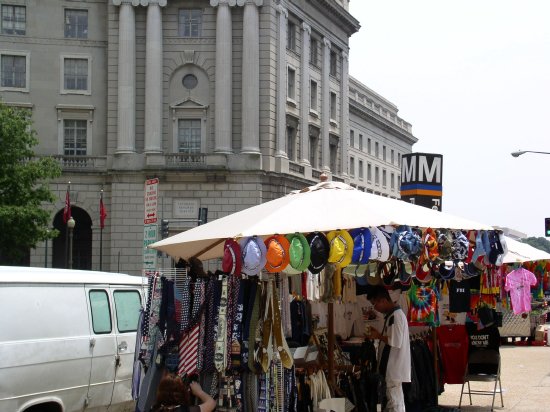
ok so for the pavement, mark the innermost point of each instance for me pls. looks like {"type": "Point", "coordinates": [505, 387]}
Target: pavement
{"type": "Point", "coordinates": [525, 377]}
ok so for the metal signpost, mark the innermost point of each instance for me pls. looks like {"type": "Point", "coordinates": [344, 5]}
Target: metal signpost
{"type": "Point", "coordinates": [150, 227]}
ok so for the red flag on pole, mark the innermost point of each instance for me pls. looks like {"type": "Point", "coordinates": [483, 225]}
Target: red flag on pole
{"type": "Point", "coordinates": [67, 210]}
{"type": "Point", "coordinates": [102, 212]}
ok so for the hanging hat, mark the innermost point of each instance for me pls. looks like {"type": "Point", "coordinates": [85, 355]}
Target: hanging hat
{"type": "Point", "coordinates": [460, 245]}
{"type": "Point", "coordinates": [479, 249]}
{"type": "Point", "coordinates": [362, 243]}
{"type": "Point", "coordinates": [253, 253]}
{"type": "Point", "coordinates": [447, 270]}
{"type": "Point", "coordinates": [444, 244]}
{"type": "Point", "coordinates": [277, 253]}
{"type": "Point", "coordinates": [504, 246]}
{"type": "Point", "coordinates": [299, 253]}
{"type": "Point", "coordinates": [380, 249]}
{"type": "Point", "coordinates": [372, 274]}
{"type": "Point", "coordinates": [320, 249]}
{"type": "Point", "coordinates": [430, 251]}
{"type": "Point", "coordinates": [341, 247]}
{"type": "Point", "coordinates": [424, 272]}
{"type": "Point", "coordinates": [406, 269]}
{"type": "Point", "coordinates": [232, 260]}
{"type": "Point", "coordinates": [495, 246]}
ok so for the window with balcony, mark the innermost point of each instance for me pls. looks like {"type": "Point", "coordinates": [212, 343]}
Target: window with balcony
{"type": "Point", "coordinates": [189, 136]}
{"type": "Point", "coordinates": [190, 23]}
{"type": "Point", "coordinates": [14, 19]}
{"type": "Point", "coordinates": [75, 137]}
{"type": "Point", "coordinates": [76, 74]}
{"type": "Point", "coordinates": [76, 24]}
{"type": "Point", "coordinates": [14, 67]}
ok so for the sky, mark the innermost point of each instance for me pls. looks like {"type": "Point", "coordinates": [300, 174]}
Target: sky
{"type": "Point", "coordinates": [473, 79]}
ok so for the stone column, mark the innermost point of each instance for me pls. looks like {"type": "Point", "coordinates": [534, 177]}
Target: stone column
{"type": "Point", "coordinates": [305, 101]}
{"type": "Point", "coordinates": [153, 76]}
{"type": "Point", "coordinates": [251, 77]}
{"type": "Point", "coordinates": [224, 78]}
{"type": "Point", "coordinates": [344, 114]}
{"type": "Point", "coordinates": [281, 85]}
{"type": "Point", "coordinates": [126, 125]}
{"type": "Point", "coordinates": [325, 108]}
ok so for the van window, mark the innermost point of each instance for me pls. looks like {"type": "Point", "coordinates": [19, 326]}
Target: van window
{"type": "Point", "coordinates": [101, 313]}
{"type": "Point", "coordinates": [127, 305]}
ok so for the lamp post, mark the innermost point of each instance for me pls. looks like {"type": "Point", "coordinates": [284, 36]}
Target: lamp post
{"type": "Point", "coordinates": [70, 225]}
{"type": "Point", "coordinates": [520, 152]}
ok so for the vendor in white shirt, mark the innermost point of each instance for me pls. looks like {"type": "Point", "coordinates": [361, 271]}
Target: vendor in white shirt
{"type": "Point", "coordinates": [394, 353]}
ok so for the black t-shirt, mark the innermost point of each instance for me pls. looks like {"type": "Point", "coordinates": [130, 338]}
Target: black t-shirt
{"type": "Point", "coordinates": [459, 296]}
{"type": "Point", "coordinates": [482, 340]}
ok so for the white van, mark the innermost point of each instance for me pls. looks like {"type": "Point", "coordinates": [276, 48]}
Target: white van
{"type": "Point", "coordinates": [67, 339]}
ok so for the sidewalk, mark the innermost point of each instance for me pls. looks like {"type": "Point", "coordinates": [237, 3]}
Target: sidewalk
{"type": "Point", "coordinates": [525, 376]}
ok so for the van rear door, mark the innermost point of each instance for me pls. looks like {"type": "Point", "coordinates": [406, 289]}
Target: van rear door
{"type": "Point", "coordinates": [102, 346]}
{"type": "Point", "coordinates": [127, 304]}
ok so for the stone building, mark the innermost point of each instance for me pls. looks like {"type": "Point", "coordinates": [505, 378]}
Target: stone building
{"type": "Point", "coordinates": [229, 103]}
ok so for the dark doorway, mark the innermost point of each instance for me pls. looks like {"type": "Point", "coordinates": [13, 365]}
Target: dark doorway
{"type": "Point", "coordinates": [82, 240]}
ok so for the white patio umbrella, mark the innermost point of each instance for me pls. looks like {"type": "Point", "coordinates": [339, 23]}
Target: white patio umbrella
{"type": "Point", "coordinates": [323, 207]}
{"type": "Point", "coordinates": [522, 252]}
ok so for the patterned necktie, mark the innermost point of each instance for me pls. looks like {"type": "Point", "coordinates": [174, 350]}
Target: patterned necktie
{"type": "Point", "coordinates": [189, 344]}
{"type": "Point", "coordinates": [220, 357]}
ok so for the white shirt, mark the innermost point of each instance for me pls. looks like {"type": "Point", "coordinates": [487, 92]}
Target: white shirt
{"type": "Point", "coordinates": [399, 361]}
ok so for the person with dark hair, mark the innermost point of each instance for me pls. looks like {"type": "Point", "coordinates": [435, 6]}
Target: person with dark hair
{"type": "Point", "coordinates": [394, 354]}
{"type": "Point", "coordinates": [173, 394]}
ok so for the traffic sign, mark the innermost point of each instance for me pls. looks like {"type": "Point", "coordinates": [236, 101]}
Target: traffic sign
{"type": "Point", "coordinates": [149, 255]}
{"type": "Point", "coordinates": [151, 200]}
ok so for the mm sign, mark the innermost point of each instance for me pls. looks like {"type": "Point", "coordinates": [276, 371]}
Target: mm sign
{"type": "Point", "coordinates": [150, 201]}
{"type": "Point", "coordinates": [422, 179]}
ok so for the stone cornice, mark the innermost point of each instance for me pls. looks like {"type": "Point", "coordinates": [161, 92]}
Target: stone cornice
{"type": "Point", "coordinates": [281, 9]}
{"type": "Point", "coordinates": [380, 121]}
{"type": "Point", "coordinates": [306, 27]}
{"type": "Point", "coordinates": [338, 14]}
{"type": "Point", "coordinates": [327, 43]}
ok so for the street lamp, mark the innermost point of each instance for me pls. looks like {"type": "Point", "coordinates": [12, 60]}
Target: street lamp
{"type": "Point", "coordinates": [520, 152]}
{"type": "Point", "coordinates": [70, 225]}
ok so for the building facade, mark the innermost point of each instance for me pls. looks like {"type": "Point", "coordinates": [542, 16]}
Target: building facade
{"type": "Point", "coordinates": [229, 103]}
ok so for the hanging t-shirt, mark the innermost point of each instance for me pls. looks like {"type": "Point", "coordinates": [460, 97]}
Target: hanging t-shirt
{"type": "Point", "coordinates": [518, 283]}
{"type": "Point", "coordinates": [453, 344]}
{"type": "Point", "coordinates": [423, 304]}
{"type": "Point", "coordinates": [459, 296]}
{"type": "Point", "coordinates": [398, 367]}
{"type": "Point", "coordinates": [481, 340]}
{"type": "Point", "coordinates": [446, 317]}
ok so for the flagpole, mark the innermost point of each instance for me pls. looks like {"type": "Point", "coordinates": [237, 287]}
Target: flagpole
{"type": "Point", "coordinates": [100, 235]}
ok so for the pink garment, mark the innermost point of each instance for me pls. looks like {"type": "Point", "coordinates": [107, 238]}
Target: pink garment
{"type": "Point", "coordinates": [518, 283]}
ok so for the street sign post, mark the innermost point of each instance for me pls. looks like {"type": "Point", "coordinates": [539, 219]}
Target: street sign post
{"type": "Point", "coordinates": [150, 227]}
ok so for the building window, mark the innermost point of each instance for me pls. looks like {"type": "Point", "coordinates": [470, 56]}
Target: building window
{"type": "Point", "coordinates": [76, 74]}
{"type": "Point", "coordinates": [399, 159]}
{"type": "Point", "coordinates": [189, 135]}
{"type": "Point", "coordinates": [376, 150]}
{"type": "Point", "coordinates": [392, 157]}
{"type": "Point", "coordinates": [313, 96]}
{"type": "Point", "coordinates": [352, 166]}
{"type": "Point", "coordinates": [314, 151]}
{"type": "Point", "coordinates": [398, 182]}
{"type": "Point", "coordinates": [75, 137]}
{"type": "Point", "coordinates": [369, 172]}
{"type": "Point", "coordinates": [384, 178]}
{"type": "Point", "coordinates": [361, 142]}
{"type": "Point", "coordinates": [333, 60]}
{"type": "Point", "coordinates": [361, 169]}
{"type": "Point", "coordinates": [291, 142]}
{"type": "Point", "coordinates": [190, 22]}
{"type": "Point", "coordinates": [291, 84]}
{"type": "Point", "coordinates": [313, 52]}
{"type": "Point", "coordinates": [291, 36]}
{"type": "Point", "coordinates": [15, 71]}
{"type": "Point", "coordinates": [76, 24]}
{"type": "Point", "coordinates": [392, 181]}
{"type": "Point", "coordinates": [333, 158]}
{"type": "Point", "coordinates": [368, 146]}
{"type": "Point", "coordinates": [332, 105]}
{"type": "Point", "coordinates": [384, 153]}
{"type": "Point", "coordinates": [376, 175]}
{"type": "Point", "coordinates": [14, 19]}
{"type": "Point", "coordinates": [351, 139]}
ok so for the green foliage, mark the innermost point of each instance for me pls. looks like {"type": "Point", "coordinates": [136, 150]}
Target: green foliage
{"type": "Point", "coordinates": [538, 242]}
{"type": "Point", "coordinates": [24, 189]}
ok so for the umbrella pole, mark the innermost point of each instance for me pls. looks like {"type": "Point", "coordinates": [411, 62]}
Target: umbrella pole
{"type": "Point", "coordinates": [331, 344]}
{"type": "Point", "coordinates": [207, 248]}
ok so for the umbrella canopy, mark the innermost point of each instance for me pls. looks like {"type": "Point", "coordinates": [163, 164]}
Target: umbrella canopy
{"type": "Point", "coordinates": [324, 207]}
{"type": "Point", "coordinates": [522, 252]}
